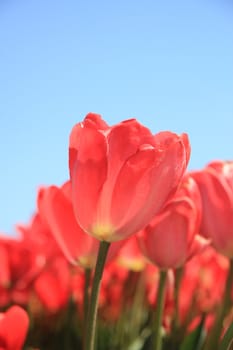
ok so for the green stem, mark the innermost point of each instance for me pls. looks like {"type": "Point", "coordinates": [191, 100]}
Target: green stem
{"type": "Point", "coordinates": [157, 334]}
{"type": "Point", "coordinates": [86, 293]}
{"type": "Point", "coordinates": [178, 278]}
{"type": "Point", "coordinates": [216, 331]}
{"type": "Point", "coordinates": [93, 305]}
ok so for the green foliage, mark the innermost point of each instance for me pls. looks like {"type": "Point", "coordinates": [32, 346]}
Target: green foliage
{"type": "Point", "coordinates": [195, 339]}
{"type": "Point", "coordinates": [227, 341]}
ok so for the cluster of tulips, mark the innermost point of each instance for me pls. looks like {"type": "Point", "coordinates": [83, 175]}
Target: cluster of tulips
{"type": "Point", "coordinates": [133, 252]}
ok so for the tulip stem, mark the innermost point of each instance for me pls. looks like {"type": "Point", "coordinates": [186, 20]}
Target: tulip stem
{"type": "Point", "coordinates": [93, 303]}
{"type": "Point", "coordinates": [178, 277]}
{"type": "Point", "coordinates": [86, 292]}
{"type": "Point", "coordinates": [160, 299]}
{"type": "Point", "coordinates": [216, 331]}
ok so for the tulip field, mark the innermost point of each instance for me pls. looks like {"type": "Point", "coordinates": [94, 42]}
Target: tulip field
{"type": "Point", "coordinates": [132, 252]}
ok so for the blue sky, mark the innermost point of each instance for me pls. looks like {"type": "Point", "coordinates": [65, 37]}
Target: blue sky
{"type": "Point", "coordinates": [167, 63]}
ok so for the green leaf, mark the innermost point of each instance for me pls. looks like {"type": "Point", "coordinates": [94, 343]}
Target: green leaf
{"type": "Point", "coordinates": [195, 339]}
{"type": "Point", "coordinates": [139, 341]}
{"type": "Point", "coordinates": [227, 339]}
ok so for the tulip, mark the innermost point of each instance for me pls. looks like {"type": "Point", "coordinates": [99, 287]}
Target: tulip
{"type": "Point", "coordinates": [202, 285]}
{"type": "Point", "coordinates": [13, 328]}
{"type": "Point", "coordinates": [216, 187]}
{"type": "Point", "coordinates": [122, 175]}
{"type": "Point", "coordinates": [170, 238]}
{"type": "Point", "coordinates": [52, 286]}
{"type": "Point", "coordinates": [17, 274]}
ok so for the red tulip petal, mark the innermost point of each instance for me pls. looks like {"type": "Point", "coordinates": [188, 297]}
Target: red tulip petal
{"type": "Point", "coordinates": [217, 203]}
{"type": "Point", "coordinates": [13, 327]}
{"type": "Point", "coordinates": [145, 183]}
{"type": "Point", "coordinates": [5, 272]}
{"type": "Point", "coordinates": [88, 176]}
{"type": "Point", "coordinates": [165, 243]}
{"type": "Point", "coordinates": [124, 139]}
{"type": "Point", "coordinates": [225, 171]}
{"type": "Point", "coordinates": [57, 210]}
{"type": "Point", "coordinates": [92, 121]}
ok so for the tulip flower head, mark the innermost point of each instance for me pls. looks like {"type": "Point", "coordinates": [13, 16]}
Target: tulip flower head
{"type": "Point", "coordinates": [14, 325]}
{"type": "Point", "coordinates": [171, 237]}
{"type": "Point", "coordinates": [216, 187]}
{"type": "Point", "coordinates": [122, 175]}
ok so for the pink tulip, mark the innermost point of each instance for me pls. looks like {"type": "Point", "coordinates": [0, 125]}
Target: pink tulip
{"type": "Point", "coordinates": [122, 175]}
{"type": "Point", "coordinates": [203, 281]}
{"type": "Point", "coordinates": [170, 238]}
{"type": "Point", "coordinates": [13, 328]}
{"type": "Point", "coordinates": [216, 187]}
{"type": "Point", "coordinates": [52, 286]}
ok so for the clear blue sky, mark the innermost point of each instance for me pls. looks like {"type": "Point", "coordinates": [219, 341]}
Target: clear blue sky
{"type": "Point", "coordinates": [167, 63]}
